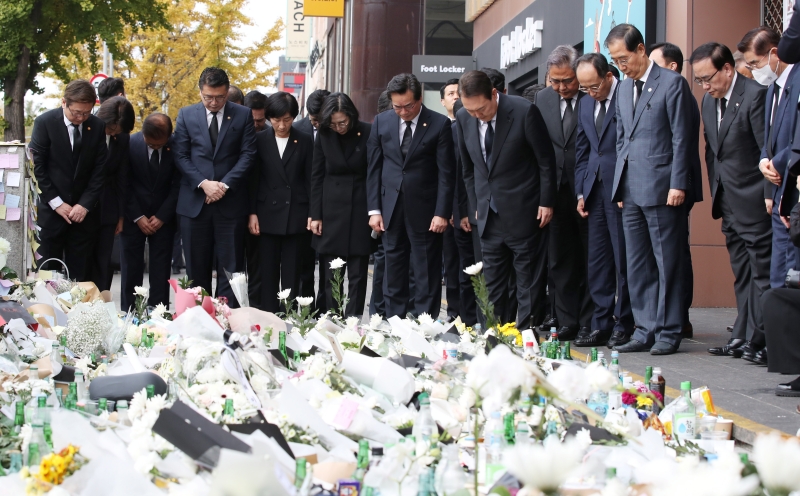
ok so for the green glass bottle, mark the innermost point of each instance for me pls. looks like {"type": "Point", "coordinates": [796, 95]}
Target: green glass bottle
{"type": "Point", "coordinates": [509, 430]}
{"type": "Point", "coordinates": [296, 355]}
{"type": "Point", "coordinates": [73, 389]}
{"type": "Point", "coordinates": [282, 345]}
{"type": "Point", "coordinates": [228, 408]}
{"type": "Point", "coordinates": [300, 471]}
{"type": "Point", "coordinates": [151, 390]}
{"type": "Point", "coordinates": [648, 374]}
{"type": "Point", "coordinates": [48, 434]}
{"type": "Point", "coordinates": [63, 340]}
{"type": "Point", "coordinates": [567, 351]}
{"type": "Point", "coordinates": [594, 354]}
{"type": "Point", "coordinates": [362, 460]}
{"type": "Point", "coordinates": [16, 461]}
{"type": "Point", "coordinates": [19, 416]}
{"type": "Point", "coordinates": [33, 455]}
{"type": "Point", "coordinates": [102, 405]}
{"type": "Point", "coordinates": [94, 359]}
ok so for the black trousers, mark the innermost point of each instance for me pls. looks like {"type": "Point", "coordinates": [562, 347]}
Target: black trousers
{"type": "Point", "coordinates": [280, 260]}
{"type": "Point", "coordinates": [377, 304]}
{"type": "Point", "coordinates": [568, 255]}
{"type": "Point", "coordinates": [201, 236]}
{"type": "Point", "coordinates": [750, 251]}
{"type": "Point", "coordinates": [469, 309]}
{"type": "Point", "coordinates": [781, 308]}
{"type": "Point", "coordinates": [504, 253]}
{"type": "Point", "coordinates": [356, 269]}
{"type": "Point", "coordinates": [452, 266]}
{"type": "Point", "coordinates": [688, 269]}
{"type": "Point", "coordinates": [308, 259]}
{"type": "Point", "coordinates": [422, 251]}
{"type": "Point", "coordinates": [253, 268]}
{"type": "Point", "coordinates": [160, 245]}
{"type": "Point", "coordinates": [177, 249]}
{"type": "Point", "coordinates": [71, 243]}
{"type": "Point", "coordinates": [99, 268]}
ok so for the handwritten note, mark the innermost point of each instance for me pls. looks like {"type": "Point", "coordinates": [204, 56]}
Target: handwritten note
{"type": "Point", "coordinates": [11, 201]}
{"type": "Point", "coordinates": [13, 179]}
{"type": "Point", "coordinates": [344, 416]}
{"type": "Point", "coordinates": [13, 214]}
{"type": "Point", "coordinates": [9, 161]}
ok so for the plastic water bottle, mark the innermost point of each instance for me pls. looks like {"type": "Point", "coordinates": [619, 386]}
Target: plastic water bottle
{"type": "Point", "coordinates": [495, 444]}
{"type": "Point", "coordinates": [614, 367]}
{"type": "Point", "coordinates": [450, 479]}
{"type": "Point", "coordinates": [684, 417]}
{"type": "Point", "coordinates": [601, 357]}
{"type": "Point", "coordinates": [424, 425]}
{"type": "Point", "coordinates": [478, 328]}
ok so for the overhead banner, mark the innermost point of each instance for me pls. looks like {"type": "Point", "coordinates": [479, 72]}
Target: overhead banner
{"type": "Point", "coordinates": [324, 8]}
{"type": "Point", "coordinates": [297, 32]}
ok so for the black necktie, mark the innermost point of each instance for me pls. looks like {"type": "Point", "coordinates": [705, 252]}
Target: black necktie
{"type": "Point", "coordinates": [639, 87]}
{"type": "Point", "coordinates": [776, 101]}
{"type": "Point", "coordinates": [566, 119]}
{"type": "Point", "coordinates": [153, 166]}
{"type": "Point", "coordinates": [76, 143]}
{"type": "Point", "coordinates": [488, 142]}
{"type": "Point", "coordinates": [213, 129]}
{"type": "Point", "coordinates": [601, 117]}
{"type": "Point", "coordinates": [405, 145]}
{"type": "Point", "coordinates": [723, 104]}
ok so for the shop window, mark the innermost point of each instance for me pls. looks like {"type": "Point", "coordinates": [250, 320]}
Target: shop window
{"type": "Point", "coordinates": [772, 14]}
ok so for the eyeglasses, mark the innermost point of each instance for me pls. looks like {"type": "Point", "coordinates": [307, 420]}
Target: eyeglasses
{"type": "Point", "coordinates": [620, 62]}
{"type": "Point", "coordinates": [217, 99]}
{"type": "Point", "coordinates": [340, 125]}
{"type": "Point", "coordinates": [753, 65]}
{"type": "Point", "coordinates": [594, 88]}
{"type": "Point", "coordinates": [706, 80]}
{"type": "Point", "coordinates": [407, 108]}
{"type": "Point", "coordinates": [81, 115]}
{"type": "Point", "coordinates": [559, 82]}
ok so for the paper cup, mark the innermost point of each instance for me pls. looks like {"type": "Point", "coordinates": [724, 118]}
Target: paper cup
{"type": "Point", "coordinates": [724, 425]}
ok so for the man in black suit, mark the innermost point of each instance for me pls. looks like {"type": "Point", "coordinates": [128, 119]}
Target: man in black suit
{"type": "Point", "coordinates": [257, 103]}
{"type": "Point", "coordinates": [509, 170]}
{"type": "Point", "coordinates": [569, 232]}
{"type": "Point", "coordinates": [69, 150]}
{"type": "Point", "coordinates": [410, 194]}
{"type": "Point", "coordinates": [733, 119]}
{"type": "Point", "coordinates": [214, 149]}
{"type": "Point", "coordinates": [596, 144]}
{"type": "Point", "coordinates": [310, 125]}
{"type": "Point", "coordinates": [670, 57]}
{"type": "Point", "coordinates": [154, 180]}
{"type": "Point", "coordinates": [109, 88]}
{"type": "Point", "coordinates": [377, 304]}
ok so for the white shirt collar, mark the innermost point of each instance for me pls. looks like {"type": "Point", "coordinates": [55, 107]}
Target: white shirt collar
{"type": "Point", "coordinates": [647, 72]}
{"type": "Point", "coordinates": [613, 89]}
{"type": "Point", "coordinates": [494, 119]}
{"type": "Point", "coordinates": [415, 119]}
{"type": "Point", "coordinates": [69, 125]}
{"type": "Point", "coordinates": [730, 90]}
{"type": "Point", "coordinates": [781, 81]}
{"type": "Point", "coordinates": [219, 112]}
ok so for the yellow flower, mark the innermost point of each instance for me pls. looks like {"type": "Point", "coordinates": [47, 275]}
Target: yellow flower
{"type": "Point", "coordinates": [510, 329]}
{"type": "Point", "coordinates": [643, 401]}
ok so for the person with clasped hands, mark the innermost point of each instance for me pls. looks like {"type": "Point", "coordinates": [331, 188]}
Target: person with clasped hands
{"type": "Point", "coordinates": [650, 182]}
{"type": "Point", "coordinates": [214, 150]}
{"type": "Point", "coordinates": [410, 194]}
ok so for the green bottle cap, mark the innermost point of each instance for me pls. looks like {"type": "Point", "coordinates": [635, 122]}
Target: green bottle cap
{"type": "Point", "coordinates": [423, 399]}
{"type": "Point", "coordinates": [42, 401]}
{"type": "Point", "coordinates": [102, 405]}
{"type": "Point", "coordinates": [686, 386]}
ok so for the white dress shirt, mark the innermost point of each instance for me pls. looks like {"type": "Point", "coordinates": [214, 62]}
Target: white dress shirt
{"type": "Point", "coordinates": [643, 78]}
{"type": "Point", "coordinates": [57, 201]}
{"type": "Point", "coordinates": [727, 100]}
{"type": "Point", "coordinates": [282, 142]}
{"type": "Point", "coordinates": [483, 126]}
{"type": "Point", "coordinates": [562, 104]}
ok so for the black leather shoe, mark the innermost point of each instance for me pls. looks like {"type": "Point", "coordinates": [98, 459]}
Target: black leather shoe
{"type": "Point", "coordinates": [618, 338]}
{"type": "Point", "coordinates": [729, 328]}
{"type": "Point", "coordinates": [789, 388]}
{"type": "Point", "coordinates": [549, 322]}
{"type": "Point", "coordinates": [751, 351]}
{"type": "Point", "coordinates": [594, 338]}
{"type": "Point", "coordinates": [632, 346]}
{"type": "Point", "coordinates": [746, 347]}
{"type": "Point", "coordinates": [687, 331]}
{"type": "Point", "coordinates": [567, 333]}
{"type": "Point", "coordinates": [727, 350]}
{"type": "Point", "coordinates": [760, 358]}
{"type": "Point", "coordinates": [662, 348]}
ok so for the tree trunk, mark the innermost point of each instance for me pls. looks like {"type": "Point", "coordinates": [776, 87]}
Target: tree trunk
{"type": "Point", "coordinates": [15, 98]}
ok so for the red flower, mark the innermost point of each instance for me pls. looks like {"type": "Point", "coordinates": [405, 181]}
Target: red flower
{"type": "Point", "coordinates": [628, 398]}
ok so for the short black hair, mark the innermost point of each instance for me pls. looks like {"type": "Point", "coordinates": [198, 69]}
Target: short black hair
{"type": "Point", "coordinates": [235, 95]}
{"type": "Point", "coordinates": [118, 111]}
{"type": "Point", "coordinates": [497, 78]}
{"type": "Point", "coordinates": [214, 77]}
{"type": "Point", "coordinates": [315, 100]}
{"type": "Point", "coordinates": [110, 87]}
{"type": "Point", "coordinates": [338, 102]}
{"type": "Point", "coordinates": [402, 83]}
{"type": "Point", "coordinates": [255, 100]}
{"type": "Point", "coordinates": [531, 91]}
{"type": "Point", "coordinates": [718, 53]}
{"type": "Point", "coordinates": [627, 33]}
{"type": "Point", "coordinates": [449, 82]}
{"type": "Point", "coordinates": [384, 102]}
{"type": "Point", "coordinates": [597, 60]}
{"type": "Point", "coordinates": [614, 71]}
{"type": "Point", "coordinates": [474, 83]}
{"type": "Point", "coordinates": [280, 104]}
{"type": "Point", "coordinates": [759, 40]}
{"type": "Point", "coordinates": [157, 126]}
{"type": "Point", "coordinates": [670, 52]}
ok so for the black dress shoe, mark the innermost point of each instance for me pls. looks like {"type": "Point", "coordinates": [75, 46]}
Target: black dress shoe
{"type": "Point", "coordinates": [687, 331]}
{"type": "Point", "coordinates": [662, 348]}
{"type": "Point", "coordinates": [727, 350]}
{"type": "Point", "coordinates": [750, 352]}
{"type": "Point", "coordinates": [729, 328]}
{"type": "Point", "coordinates": [567, 333]}
{"type": "Point", "coordinates": [746, 347]}
{"type": "Point", "coordinates": [760, 358]}
{"type": "Point", "coordinates": [549, 322]}
{"type": "Point", "coordinates": [594, 338]}
{"type": "Point", "coordinates": [618, 338]}
{"type": "Point", "coordinates": [789, 388]}
{"type": "Point", "coordinates": [632, 346]}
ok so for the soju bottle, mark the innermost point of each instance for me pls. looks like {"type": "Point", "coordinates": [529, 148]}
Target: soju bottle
{"type": "Point", "coordinates": [594, 354]}
{"type": "Point", "coordinates": [567, 352]}
{"type": "Point", "coordinates": [685, 417]}
{"type": "Point", "coordinates": [48, 435]}
{"type": "Point", "coordinates": [122, 413]}
{"type": "Point", "coordinates": [19, 416]}
{"type": "Point", "coordinates": [362, 460]}
{"type": "Point", "coordinates": [151, 391]}
{"type": "Point", "coordinates": [648, 374]}
{"type": "Point", "coordinates": [299, 472]}
{"type": "Point", "coordinates": [34, 459]}
{"type": "Point", "coordinates": [282, 345]}
{"type": "Point", "coordinates": [102, 405]}
{"type": "Point", "coordinates": [228, 408]}
{"type": "Point", "coordinates": [509, 430]}
{"type": "Point", "coordinates": [33, 373]}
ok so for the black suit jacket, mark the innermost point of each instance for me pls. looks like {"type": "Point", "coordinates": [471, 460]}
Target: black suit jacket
{"type": "Point", "coordinates": [115, 190]}
{"type": "Point", "coordinates": [522, 174]}
{"type": "Point", "coordinates": [229, 162]}
{"type": "Point", "coordinates": [549, 102]}
{"type": "Point", "coordinates": [339, 192]}
{"type": "Point", "coordinates": [149, 195]}
{"type": "Point", "coordinates": [789, 46]}
{"type": "Point", "coordinates": [733, 150]}
{"type": "Point", "coordinates": [280, 187]}
{"type": "Point", "coordinates": [695, 192]}
{"type": "Point", "coordinates": [53, 166]}
{"type": "Point", "coordinates": [426, 176]}
{"type": "Point", "coordinates": [305, 126]}
{"type": "Point", "coordinates": [461, 206]}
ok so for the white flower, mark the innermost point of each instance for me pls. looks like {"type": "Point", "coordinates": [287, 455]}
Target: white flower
{"type": "Point", "coordinates": [337, 263]}
{"type": "Point", "coordinates": [375, 321]}
{"type": "Point", "coordinates": [5, 246]}
{"type": "Point", "coordinates": [467, 398]}
{"type": "Point", "coordinates": [544, 467]}
{"type": "Point", "coordinates": [159, 310]}
{"type": "Point", "coordinates": [777, 462]}
{"type": "Point", "coordinates": [134, 335]}
{"type": "Point", "coordinates": [425, 319]}
{"type": "Point", "coordinates": [140, 291]}
{"type": "Point", "coordinates": [584, 437]}
{"type": "Point", "coordinates": [474, 270]}
{"type": "Point", "coordinates": [26, 433]}
{"type": "Point", "coordinates": [349, 336]}
{"type": "Point", "coordinates": [375, 339]}
{"type": "Point", "coordinates": [352, 322]}
{"type": "Point", "coordinates": [305, 301]}
{"type": "Point", "coordinates": [284, 295]}
{"type": "Point", "coordinates": [440, 390]}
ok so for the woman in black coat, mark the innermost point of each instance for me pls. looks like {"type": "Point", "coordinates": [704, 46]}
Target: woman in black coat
{"type": "Point", "coordinates": [339, 215]}
{"type": "Point", "coordinates": [117, 113]}
{"type": "Point", "coordinates": [279, 193]}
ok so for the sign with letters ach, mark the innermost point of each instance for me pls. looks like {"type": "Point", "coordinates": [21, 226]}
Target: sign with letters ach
{"type": "Point", "coordinates": [297, 32]}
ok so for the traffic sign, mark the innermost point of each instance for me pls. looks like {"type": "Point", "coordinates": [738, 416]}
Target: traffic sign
{"type": "Point", "coordinates": [96, 80]}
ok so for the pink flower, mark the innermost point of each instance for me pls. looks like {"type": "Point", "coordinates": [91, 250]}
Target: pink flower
{"type": "Point", "coordinates": [628, 398]}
